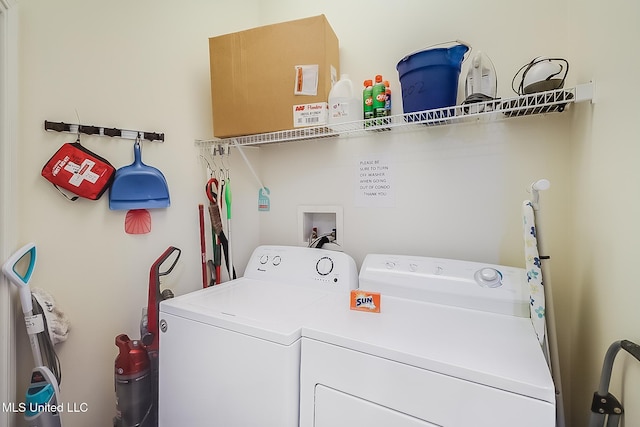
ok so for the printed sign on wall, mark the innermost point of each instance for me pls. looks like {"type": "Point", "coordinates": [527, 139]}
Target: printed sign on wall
{"type": "Point", "coordinates": [374, 184]}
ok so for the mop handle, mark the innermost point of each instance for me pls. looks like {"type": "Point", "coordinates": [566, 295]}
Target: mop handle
{"type": "Point", "coordinates": [21, 281]}
{"type": "Point", "coordinates": [32, 322]}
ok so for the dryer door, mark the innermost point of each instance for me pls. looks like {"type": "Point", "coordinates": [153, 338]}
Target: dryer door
{"type": "Point", "coordinates": [334, 408]}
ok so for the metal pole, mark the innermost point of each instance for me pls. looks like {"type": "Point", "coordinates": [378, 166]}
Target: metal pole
{"type": "Point", "coordinates": [605, 406]}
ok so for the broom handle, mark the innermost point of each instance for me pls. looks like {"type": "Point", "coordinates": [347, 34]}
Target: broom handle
{"type": "Point", "coordinates": [203, 247]}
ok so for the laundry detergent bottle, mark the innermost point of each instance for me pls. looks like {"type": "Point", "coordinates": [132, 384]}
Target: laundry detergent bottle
{"type": "Point", "coordinates": [344, 103]}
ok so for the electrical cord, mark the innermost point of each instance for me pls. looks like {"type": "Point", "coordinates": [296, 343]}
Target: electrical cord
{"type": "Point", "coordinates": [319, 241]}
{"type": "Point", "coordinates": [478, 97]}
{"type": "Point", "coordinates": [535, 61]}
{"type": "Point", "coordinates": [49, 356]}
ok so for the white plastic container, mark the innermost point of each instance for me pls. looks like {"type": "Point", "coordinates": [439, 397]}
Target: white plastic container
{"type": "Point", "coordinates": [345, 104]}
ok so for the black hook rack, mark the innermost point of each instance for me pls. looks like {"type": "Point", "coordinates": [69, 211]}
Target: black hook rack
{"type": "Point", "coordinates": [102, 131]}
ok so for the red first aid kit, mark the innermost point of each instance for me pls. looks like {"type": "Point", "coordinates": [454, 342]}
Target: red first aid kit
{"type": "Point", "coordinates": [80, 171]}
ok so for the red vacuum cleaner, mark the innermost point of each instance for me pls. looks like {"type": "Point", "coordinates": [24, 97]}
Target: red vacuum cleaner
{"type": "Point", "coordinates": [136, 366]}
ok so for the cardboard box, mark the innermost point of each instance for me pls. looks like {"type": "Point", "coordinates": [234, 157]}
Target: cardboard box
{"type": "Point", "coordinates": [255, 74]}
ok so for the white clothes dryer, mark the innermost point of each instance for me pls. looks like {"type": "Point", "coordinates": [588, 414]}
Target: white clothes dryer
{"type": "Point", "coordinates": [453, 345]}
{"type": "Point", "coordinates": [230, 354]}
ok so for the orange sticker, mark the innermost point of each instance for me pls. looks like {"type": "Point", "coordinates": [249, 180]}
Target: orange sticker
{"type": "Point", "coordinates": [365, 301]}
{"type": "Point", "coordinates": [298, 79]}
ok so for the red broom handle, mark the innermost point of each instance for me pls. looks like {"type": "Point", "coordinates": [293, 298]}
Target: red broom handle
{"type": "Point", "coordinates": [203, 247]}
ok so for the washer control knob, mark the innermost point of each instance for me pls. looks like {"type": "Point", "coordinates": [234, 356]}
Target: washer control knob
{"type": "Point", "coordinates": [324, 266]}
{"type": "Point", "coordinates": [277, 260]}
{"type": "Point", "coordinates": [413, 267]}
{"type": "Point", "coordinates": [489, 277]}
{"type": "Point", "coordinates": [264, 259]}
{"type": "Point", "coordinates": [390, 265]}
{"type": "Point", "coordinates": [489, 274]}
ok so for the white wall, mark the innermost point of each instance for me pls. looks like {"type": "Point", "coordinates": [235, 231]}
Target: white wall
{"type": "Point", "coordinates": [144, 65]}
{"type": "Point", "coordinates": [457, 191]}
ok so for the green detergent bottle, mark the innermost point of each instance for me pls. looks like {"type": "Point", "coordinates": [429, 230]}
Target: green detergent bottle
{"type": "Point", "coordinates": [367, 101]}
{"type": "Point", "coordinates": [379, 100]}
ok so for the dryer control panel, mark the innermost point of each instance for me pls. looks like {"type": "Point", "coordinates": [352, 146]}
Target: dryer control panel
{"type": "Point", "coordinates": [466, 284]}
{"type": "Point", "coordinates": [304, 267]}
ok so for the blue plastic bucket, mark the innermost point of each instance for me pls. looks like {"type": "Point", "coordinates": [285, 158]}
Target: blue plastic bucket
{"type": "Point", "coordinates": [429, 78]}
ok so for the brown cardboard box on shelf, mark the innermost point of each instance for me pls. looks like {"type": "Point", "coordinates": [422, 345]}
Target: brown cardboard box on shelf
{"type": "Point", "coordinates": [264, 79]}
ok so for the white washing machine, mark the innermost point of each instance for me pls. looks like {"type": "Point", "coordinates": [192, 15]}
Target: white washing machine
{"type": "Point", "coordinates": [230, 354]}
{"type": "Point", "coordinates": [453, 345]}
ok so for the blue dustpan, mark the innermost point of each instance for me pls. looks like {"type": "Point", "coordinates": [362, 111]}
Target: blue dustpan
{"type": "Point", "coordinates": [138, 186]}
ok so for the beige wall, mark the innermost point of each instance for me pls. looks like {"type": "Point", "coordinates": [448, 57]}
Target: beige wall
{"type": "Point", "coordinates": [8, 234]}
{"type": "Point", "coordinates": [605, 204]}
{"type": "Point", "coordinates": [144, 65]}
{"type": "Point", "coordinates": [140, 65]}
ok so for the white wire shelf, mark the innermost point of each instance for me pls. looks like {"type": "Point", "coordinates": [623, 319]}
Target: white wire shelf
{"type": "Point", "coordinates": [554, 101]}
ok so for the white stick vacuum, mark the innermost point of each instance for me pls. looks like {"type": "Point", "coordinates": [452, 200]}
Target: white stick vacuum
{"type": "Point", "coordinates": [41, 408]}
